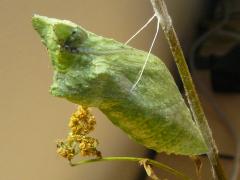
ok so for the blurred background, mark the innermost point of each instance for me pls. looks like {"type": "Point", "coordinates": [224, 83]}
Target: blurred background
{"type": "Point", "coordinates": [32, 120]}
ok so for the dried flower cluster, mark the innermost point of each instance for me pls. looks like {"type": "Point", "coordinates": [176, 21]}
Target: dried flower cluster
{"type": "Point", "coordinates": [81, 123]}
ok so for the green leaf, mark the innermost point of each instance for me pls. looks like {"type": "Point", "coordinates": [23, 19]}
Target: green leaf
{"type": "Point", "coordinates": [95, 71]}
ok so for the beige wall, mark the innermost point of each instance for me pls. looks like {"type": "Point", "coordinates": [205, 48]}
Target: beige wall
{"type": "Point", "coordinates": [31, 119]}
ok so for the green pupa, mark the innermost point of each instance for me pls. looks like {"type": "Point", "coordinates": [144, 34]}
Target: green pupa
{"type": "Point", "coordinates": [95, 71]}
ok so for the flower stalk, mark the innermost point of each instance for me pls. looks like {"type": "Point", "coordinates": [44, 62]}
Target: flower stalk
{"type": "Point", "coordinates": [136, 159]}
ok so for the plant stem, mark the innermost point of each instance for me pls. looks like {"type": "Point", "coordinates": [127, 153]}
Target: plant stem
{"type": "Point", "coordinates": [161, 12]}
{"type": "Point", "coordinates": [136, 159]}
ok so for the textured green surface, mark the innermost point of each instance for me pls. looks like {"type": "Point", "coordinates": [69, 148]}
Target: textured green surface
{"type": "Point", "coordinates": [95, 71]}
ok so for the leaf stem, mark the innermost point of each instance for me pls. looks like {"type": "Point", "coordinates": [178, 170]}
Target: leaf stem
{"type": "Point", "coordinates": [135, 159]}
{"type": "Point", "coordinates": [161, 12]}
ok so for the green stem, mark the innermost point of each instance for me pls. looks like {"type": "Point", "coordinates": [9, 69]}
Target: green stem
{"type": "Point", "coordinates": [161, 12]}
{"type": "Point", "coordinates": [136, 159]}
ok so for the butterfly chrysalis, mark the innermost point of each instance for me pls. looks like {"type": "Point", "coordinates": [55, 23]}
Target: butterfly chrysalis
{"type": "Point", "coordinates": [99, 72]}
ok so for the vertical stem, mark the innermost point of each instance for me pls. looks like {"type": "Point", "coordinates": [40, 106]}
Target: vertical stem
{"type": "Point", "coordinates": [161, 12]}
